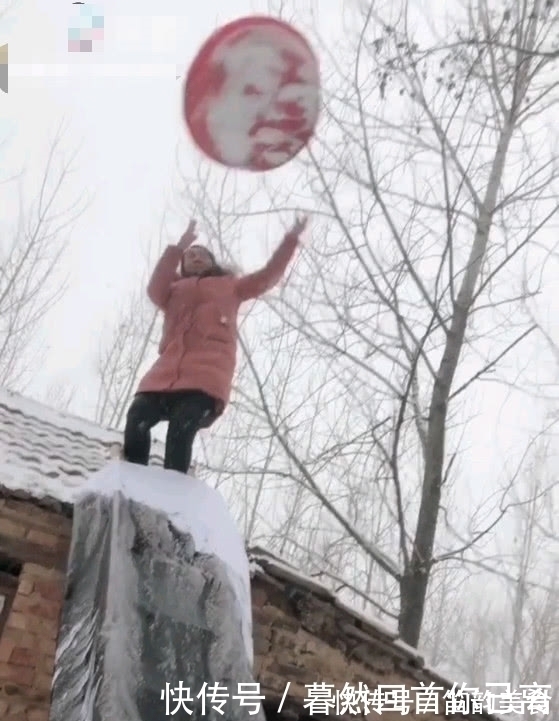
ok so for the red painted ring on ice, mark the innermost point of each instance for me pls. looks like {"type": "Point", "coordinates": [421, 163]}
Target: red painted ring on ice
{"type": "Point", "coordinates": [252, 94]}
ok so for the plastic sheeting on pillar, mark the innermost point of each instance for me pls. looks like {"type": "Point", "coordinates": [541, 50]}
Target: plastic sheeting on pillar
{"type": "Point", "coordinates": [157, 619]}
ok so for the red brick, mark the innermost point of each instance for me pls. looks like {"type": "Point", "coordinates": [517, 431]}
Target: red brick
{"type": "Point", "coordinates": [42, 538]}
{"type": "Point", "coordinates": [23, 639]}
{"type": "Point", "coordinates": [38, 714]}
{"type": "Point", "coordinates": [24, 657]}
{"type": "Point", "coordinates": [42, 682]}
{"type": "Point", "coordinates": [12, 528]}
{"type": "Point", "coordinates": [259, 597]}
{"type": "Point", "coordinates": [3, 708]}
{"type": "Point", "coordinates": [39, 515]}
{"type": "Point", "coordinates": [18, 716]}
{"type": "Point", "coordinates": [50, 590]}
{"type": "Point", "coordinates": [19, 703]}
{"type": "Point", "coordinates": [270, 682]}
{"type": "Point", "coordinates": [11, 690]}
{"type": "Point", "coordinates": [47, 646]}
{"type": "Point", "coordinates": [49, 610]}
{"type": "Point", "coordinates": [6, 648]}
{"type": "Point", "coordinates": [20, 603]}
{"type": "Point", "coordinates": [19, 675]}
{"type": "Point", "coordinates": [34, 570]}
{"type": "Point", "coordinates": [25, 587]}
{"type": "Point", "coordinates": [293, 673]}
{"type": "Point", "coordinates": [270, 615]}
{"type": "Point", "coordinates": [44, 627]}
{"type": "Point", "coordinates": [17, 620]}
{"type": "Point", "coordinates": [45, 664]}
{"type": "Point", "coordinates": [267, 615]}
{"type": "Point", "coordinates": [35, 605]}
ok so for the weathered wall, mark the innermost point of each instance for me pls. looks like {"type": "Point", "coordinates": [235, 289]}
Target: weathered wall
{"type": "Point", "coordinates": [39, 540]}
{"type": "Point", "coordinates": [303, 639]}
{"type": "Point", "coordinates": [298, 637]}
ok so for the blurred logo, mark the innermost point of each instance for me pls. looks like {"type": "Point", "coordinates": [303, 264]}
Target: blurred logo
{"type": "Point", "coordinates": [86, 28]}
{"type": "Point", "coordinates": [4, 68]}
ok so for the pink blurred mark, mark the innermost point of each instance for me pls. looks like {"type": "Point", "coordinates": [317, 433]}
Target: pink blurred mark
{"type": "Point", "coordinates": [96, 34]}
{"type": "Point", "coordinates": [252, 90]}
{"type": "Point", "coordinates": [74, 46]}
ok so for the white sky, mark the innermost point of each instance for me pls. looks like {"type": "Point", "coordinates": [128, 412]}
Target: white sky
{"type": "Point", "coordinates": [128, 126]}
{"type": "Point", "coordinates": [122, 108]}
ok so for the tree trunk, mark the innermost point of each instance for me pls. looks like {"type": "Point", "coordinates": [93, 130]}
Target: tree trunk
{"type": "Point", "coordinates": [415, 579]}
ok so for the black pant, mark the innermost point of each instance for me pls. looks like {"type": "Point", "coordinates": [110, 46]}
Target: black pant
{"type": "Point", "coordinates": [183, 409]}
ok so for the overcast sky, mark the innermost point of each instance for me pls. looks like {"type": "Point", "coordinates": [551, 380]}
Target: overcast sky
{"type": "Point", "coordinates": [122, 107]}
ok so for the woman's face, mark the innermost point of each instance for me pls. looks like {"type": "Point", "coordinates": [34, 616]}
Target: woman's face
{"type": "Point", "coordinates": [196, 260]}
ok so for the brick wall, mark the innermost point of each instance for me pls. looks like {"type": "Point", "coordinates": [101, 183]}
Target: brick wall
{"type": "Point", "coordinates": [304, 639]}
{"type": "Point", "coordinates": [298, 637]}
{"type": "Point", "coordinates": [286, 651]}
{"type": "Point", "coordinates": [39, 540]}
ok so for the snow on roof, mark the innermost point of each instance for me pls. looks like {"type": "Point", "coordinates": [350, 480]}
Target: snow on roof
{"type": "Point", "coordinates": [48, 453]}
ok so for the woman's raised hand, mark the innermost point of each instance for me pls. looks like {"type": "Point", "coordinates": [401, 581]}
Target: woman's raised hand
{"type": "Point", "coordinates": [299, 226]}
{"type": "Point", "coordinates": [188, 237]}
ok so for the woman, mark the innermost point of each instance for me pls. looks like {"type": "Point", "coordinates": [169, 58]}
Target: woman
{"type": "Point", "coordinates": [190, 383]}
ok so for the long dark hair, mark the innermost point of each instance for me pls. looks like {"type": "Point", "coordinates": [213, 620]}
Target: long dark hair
{"type": "Point", "coordinates": [217, 270]}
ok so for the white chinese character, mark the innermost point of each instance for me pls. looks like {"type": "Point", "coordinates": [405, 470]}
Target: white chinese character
{"type": "Point", "coordinates": [347, 701]}
{"type": "Point", "coordinates": [374, 702]}
{"type": "Point", "coordinates": [536, 699]}
{"type": "Point", "coordinates": [463, 700]}
{"type": "Point", "coordinates": [181, 699]}
{"type": "Point", "coordinates": [320, 698]}
{"type": "Point", "coordinates": [363, 697]}
{"type": "Point", "coordinates": [427, 698]}
{"type": "Point", "coordinates": [211, 694]}
{"type": "Point", "coordinates": [506, 702]}
{"type": "Point", "coordinates": [391, 698]}
{"type": "Point", "coordinates": [248, 696]}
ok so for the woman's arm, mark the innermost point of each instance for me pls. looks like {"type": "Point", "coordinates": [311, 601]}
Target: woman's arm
{"type": "Point", "coordinates": [256, 284]}
{"type": "Point", "coordinates": [165, 272]}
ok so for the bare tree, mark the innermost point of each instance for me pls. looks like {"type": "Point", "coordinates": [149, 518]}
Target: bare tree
{"type": "Point", "coordinates": [510, 635]}
{"type": "Point", "coordinates": [60, 396]}
{"type": "Point", "coordinates": [35, 236]}
{"type": "Point", "coordinates": [430, 188]}
{"type": "Point", "coordinates": [429, 185]}
{"type": "Point", "coordinates": [121, 357]}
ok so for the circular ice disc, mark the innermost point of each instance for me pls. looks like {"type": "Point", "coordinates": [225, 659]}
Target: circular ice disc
{"type": "Point", "coordinates": [252, 94]}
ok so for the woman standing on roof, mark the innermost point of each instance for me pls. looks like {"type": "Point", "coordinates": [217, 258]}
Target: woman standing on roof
{"type": "Point", "coordinates": [190, 383]}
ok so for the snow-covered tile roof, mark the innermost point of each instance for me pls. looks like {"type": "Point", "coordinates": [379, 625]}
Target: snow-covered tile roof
{"type": "Point", "coordinates": [48, 453]}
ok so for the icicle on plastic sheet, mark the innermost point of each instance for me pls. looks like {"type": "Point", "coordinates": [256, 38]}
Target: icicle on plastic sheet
{"type": "Point", "coordinates": [151, 619]}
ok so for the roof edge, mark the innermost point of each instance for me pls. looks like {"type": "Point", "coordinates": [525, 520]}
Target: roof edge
{"type": "Point", "coordinates": [46, 503]}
